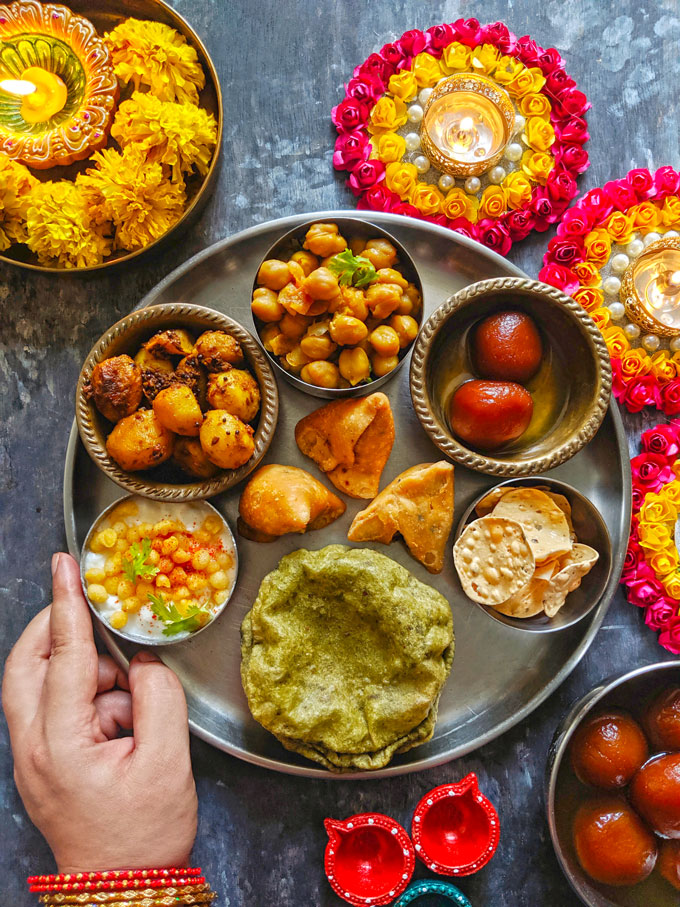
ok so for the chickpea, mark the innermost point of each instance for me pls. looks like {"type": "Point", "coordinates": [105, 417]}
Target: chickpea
{"type": "Point", "coordinates": [266, 306]}
{"type": "Point", "coordinates": [273, 274]}
{"type": "Point", "coordinates": [347, 330]}
{"type": "Point", "coordinates": [317, 347]}
{"type": "Point", "coordinates": [321, 374]}
{"type": "Point", "coordinates": [324, 239]}
{"type": "Point", "coordinates": [294, 325]}
{"type": "Point", "coordinates": [321, 284]}
{"type": "Point", "coordinates": [385, 341]}
{"type": "Point", "coordinates": [306, 260]}
{"type": "Point", "coordinates": [406, 328]}
{"type": "Point", "coordinates": [357, 245]}
{"type": "Point", "coordinates": [334, 304]}
{"type": "Point", "coordinates": [354, 303]}
{"type": "Point", "coordinates": [389, 275]}
{"type": "Point", "coordinates": [412, 296]}
{"type": "Point", "coordinates": [296, 359]}
{"type": "Point", "coordinates": [354, 365]}
{"type": "Point", "coordinates": [383, 299]}
{"type": "Point", "coordinates": [380, 252]}
{"type": "Point", "coordinates": [382, 365]}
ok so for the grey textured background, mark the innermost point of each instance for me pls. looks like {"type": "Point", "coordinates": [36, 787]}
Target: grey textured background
{"type": "Point", "coordinates": [282, 66]}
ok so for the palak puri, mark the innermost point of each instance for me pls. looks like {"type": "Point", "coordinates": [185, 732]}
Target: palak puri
{"type": "Point", "coordinates": [344, 655]}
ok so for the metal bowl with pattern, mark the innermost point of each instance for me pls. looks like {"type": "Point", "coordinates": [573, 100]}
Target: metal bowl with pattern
{"type": "Point", "coordinates": [575, 345]}
{"type": "Point", "coordinates": [126, 336]}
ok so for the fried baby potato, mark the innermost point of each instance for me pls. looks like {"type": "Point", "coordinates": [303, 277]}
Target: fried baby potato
{"type": "Point", "coordinates": [189, 371]}
{"type": "Point", "coordinates": [282, 499]}
{"type": "Point", "coordinates": [544, 522]}
{"type": "Point", "coordinates": [140, 441]}
{"type": "Point", "coordinates": [189, 456]}
{"type": "Point", "coordinates": [218, 351]}
{"type": "Point", "coordinates": [226, 441]}
{"type": "Point", "coordinates": [157, 372]}
{"type": "Point", "coordinates": [418, 504]}
{"type": "Point", "coordinates": [173, 342]}
{"type": "Point", "coordinates": [116, 387]}
{"type": "Point", "coordinates": [178, 410]}
{"type": "Point", "coordinates": [235, 391]}
{"type": "Point", "coordinates": [493, 559]}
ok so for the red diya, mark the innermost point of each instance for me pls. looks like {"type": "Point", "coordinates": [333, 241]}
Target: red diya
{"type": "Point", "coordinates": [456, 828]}
{"type": "Point", "coordinates": [369, 858]}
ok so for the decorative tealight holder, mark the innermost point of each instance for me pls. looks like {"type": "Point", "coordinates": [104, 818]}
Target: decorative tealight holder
{"type": "Point", "coordinates": [467, 124]}
{"type": "Point", "coordinates": [422, 892]}
{"type": "Point", "coordinates": [455, 828]}
{"type": "Point", "coordinates": [58, 90]}
{"type": "Point", "coordinates": [650, 288]}
{"type": "Point", "coordinates": [369, 859]}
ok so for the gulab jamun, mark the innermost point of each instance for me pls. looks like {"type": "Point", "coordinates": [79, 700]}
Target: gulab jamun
{"type": "Point", "coordinates": [608, 749]}
{"type": "Point", "coordinates": [655, 794]}
{"type": "Point", "coordinates": [662, 720]}
{"type": "Point", "coordinates": [668, 863]}
{"type": "Point", "coordinates": [490, 414]}
{"type": "Point", "coordinates": [507, 347]}
{"type": "Point", "coordinates": [612, 843]}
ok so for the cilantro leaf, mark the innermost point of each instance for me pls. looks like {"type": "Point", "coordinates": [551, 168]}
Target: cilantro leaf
{"type": "Point", "coordinates": [187, 624]}
{"type": "Point", "coordinates": [352, 270]}
{"type": "Point", "coordinates": [174, 621]}
{"type": "Point", "coordinates": [135, 565]}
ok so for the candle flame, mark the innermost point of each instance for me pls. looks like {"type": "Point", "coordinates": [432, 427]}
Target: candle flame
{"type": "Point", "coordinates": [18, 88]}
{"type": "Point", "coordinates": [466, 124]}
{"type": "Point", "coordinates": [674, 279]}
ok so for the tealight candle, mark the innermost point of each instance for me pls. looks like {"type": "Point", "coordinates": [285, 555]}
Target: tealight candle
{"type": "Point", "coordinates": [467, 124]}
{"type": "Point", "coordinates": [44, 93]}
{"type": "Point", "coordinates": [650, 289]}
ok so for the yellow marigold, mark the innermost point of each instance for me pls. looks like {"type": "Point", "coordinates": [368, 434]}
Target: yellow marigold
{"type": "Point", "coordinates": [401, 178]}
{"type": "Point", "coordinates": [459, 204]}
{"type": "Point", "coordinates": [387, 115]}
{"type": "Point", "coordinates": [137, 196]}
{"type": "Point", "coordinates": [16, 182]}
{"type": "Point", "coordinates": [635, 363]}
{"type": "Point", "coordinates": [537, 165]}
{"type": "Point", "coordinates": [663, 562]}
{"type": "Point", "coordinates": [485, 59]}
{"type": "Point", "coordinates": [455, 58]}
{"type": "Point", "coordinates": [646, 217]}
{"type": "Point", "coordinates": [670, 212]}
{"type": "Point", "coordinates": [598, 246]}
{"type": "Point", "coordinates": [601, 318]}
{"type": "Point", "coordinates": [654, 536]}
{"type": "Point", "coordinates": [426, 70]}
{"type": "Point", "coordinates": [671, 584]}
{"type": "Point", "coordinates": [657, 509]}
{"type": "Point", "coordinates": [389, 147]}
{"type": "Point", "coordinates": [619, 225]}
{"type": "Point", "coordinates": [153, 54]}
{"type": "Point", "coordinates": [493, 202]}
{"type": "Point", "coordinates": [616, 340]}
{"type": "Point", "coordinates": [179, 136]}
{"type": "Point", "coordinates": [534, 105]}
{"type": "Point", "coordinates": [61, 229]}
{"type": "Point", "coordinates": [517, 189]}
{"type": "Point", "coordinates": [588, 274]}
{"type": "Point", "coordinates": [663, 367]}
{"type": "Point", "coordinates": [427, 199]}
{"type": "Point", "coordinates": [539, 134]}
{"type": "Point", "coordinates": [589, 298]}
{"type": "Point", "coordinates": [403, 85]}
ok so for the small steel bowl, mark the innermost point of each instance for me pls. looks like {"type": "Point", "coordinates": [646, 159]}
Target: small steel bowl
{"type": "Point", "coordinates": [126, 336]}
{"type": "Point", "coordinates": [590, 529]}
{"type": "Point", "coordinates": [165, 640]}
{"type": "Point", "coordinates": [566, 326]}
{"type": "Point", "coordinates": [563, 792]}
{"type": "Point", "coordinates": [352, 227]}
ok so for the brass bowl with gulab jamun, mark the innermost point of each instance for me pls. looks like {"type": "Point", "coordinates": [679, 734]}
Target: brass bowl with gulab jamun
{"type": "Point", "coordinates": [176, 402]}
{"type": "Point", "coordinates": [510, 377]}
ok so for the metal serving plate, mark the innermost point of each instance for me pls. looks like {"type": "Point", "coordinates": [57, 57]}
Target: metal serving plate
{"type": "Point", "coordinates": [500, 675]}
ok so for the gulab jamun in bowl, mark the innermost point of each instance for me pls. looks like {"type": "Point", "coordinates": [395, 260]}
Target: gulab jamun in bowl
{"type": "Point", "coordinates": [510, 377]}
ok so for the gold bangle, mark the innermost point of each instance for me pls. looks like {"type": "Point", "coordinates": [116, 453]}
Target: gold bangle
{"type": "Point", "coordinates": [159, 900]}
{"type": "Point", "coordinates": [147, 897]}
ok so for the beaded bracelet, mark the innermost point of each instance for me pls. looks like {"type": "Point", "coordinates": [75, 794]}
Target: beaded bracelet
{"type": "Point", "coordinates": [124, 888]}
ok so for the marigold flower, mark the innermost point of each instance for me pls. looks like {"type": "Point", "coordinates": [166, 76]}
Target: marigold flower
{"type": "Point", "coordinates": [16, 182]}
{"type": "Point", "coordinates": [61, 229]}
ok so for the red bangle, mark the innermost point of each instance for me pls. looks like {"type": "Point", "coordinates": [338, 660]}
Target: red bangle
{"type": "Point", "coordinates": [118, 885]}
{"type": "Point", "coordinates": [113, 874]}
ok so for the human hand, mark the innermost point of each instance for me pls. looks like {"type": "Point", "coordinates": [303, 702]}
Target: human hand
{"type": "Point", "coordinates": [101, 801]}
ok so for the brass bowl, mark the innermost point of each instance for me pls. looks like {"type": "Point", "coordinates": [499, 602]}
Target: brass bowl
{"type": "Point", "coordinates": [572, 338]}
{"type": "Point", "coordinates": [126, 336]}
{"type": "Point", "coordinates": [291, 242]}
{"type": "Point", "coordinates": [106, 16]}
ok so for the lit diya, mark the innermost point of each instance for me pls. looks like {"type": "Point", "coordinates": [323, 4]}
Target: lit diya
{"type": "Point", "coordinates": [650, 288]}
{"type": "Point", "coordinates": [58, 91]}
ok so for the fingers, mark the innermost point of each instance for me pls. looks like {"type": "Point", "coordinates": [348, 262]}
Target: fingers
{"type": "Point", "coordinates": [114, 710]}
{"type": "Point", "coordinates": [159, 709]}
{"type": "Point", "coordinates": [25, 671]}
{"type": "Point", "coordinates": [110, 675]}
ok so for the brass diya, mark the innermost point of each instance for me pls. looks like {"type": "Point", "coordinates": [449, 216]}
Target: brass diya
{"type": "Point", "coordinates": [650, 288]}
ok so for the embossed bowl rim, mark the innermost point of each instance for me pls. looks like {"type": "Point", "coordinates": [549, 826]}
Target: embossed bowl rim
{"type": "Point", "coordinates": [470, 458]}
{"type": "Point", "coordinates": [87, 417]}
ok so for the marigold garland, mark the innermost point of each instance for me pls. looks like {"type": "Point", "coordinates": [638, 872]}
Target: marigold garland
{"type": "Point", "coordinates": [16, 182]}
{"type": "Point", "coordinates": [620, 219]}
{"type": "Point", "coordinates": [381, 174]}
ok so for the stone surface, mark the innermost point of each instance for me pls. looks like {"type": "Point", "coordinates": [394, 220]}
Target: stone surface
{"type": "Point", "coordinates": [282, 66]}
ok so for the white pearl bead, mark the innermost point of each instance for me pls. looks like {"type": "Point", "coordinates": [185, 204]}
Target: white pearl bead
{"type": "Point", "coordinates": [472, 185]}
{"type": "Point", "coordinates": [650, 238]}
{"type": "Point", "coordinates": [651, 342]}
{"type": "Point", "coordinates": [513, 152]}
{"type": "Point", "coordinates": [496, 175]}
{"type": "Point", "coordinates": [421, 163]}
{"type": "Point", "coordinates": [412, 140]}
{"type": "Point", "coordinates": [415, 113]}
{"type": "Point", "coordinates": [611, 286]}
{"type": "Point", "coordinates": [617, 311]}
{"type": "Point", "coordinates": [635, 247]}
{"type": "Point", "coordinates": [619, 263]}
{"type": "Point", "coordinates": [446, 182]}
{"type": "Point", "coordinates": [671, 234]}
{"type": "Point", "coordinates": [424, 95]}
{"type": "Point", "coordinates": [675, 344]}
{"type": "Point", "coordinates": [632, 331]}
{"type": "Point", "coordinates": [519, 122]}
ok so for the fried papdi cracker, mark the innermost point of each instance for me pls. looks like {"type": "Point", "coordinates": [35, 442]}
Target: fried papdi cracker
{"type": "Point", "coordinates": [350, 440]}
{"type": "Point", "coordinates": [573, 567]}
{"type": "Point", "coordinates": [527, 602]}
{"type": "Point", "coordinates": [418, 504]}
{"type": "Point", "coordinates": [489, 501]}
{"type": "Point", "coordinates": [494, 559]}
{"type": "Point", "coordinates": [544, 523]}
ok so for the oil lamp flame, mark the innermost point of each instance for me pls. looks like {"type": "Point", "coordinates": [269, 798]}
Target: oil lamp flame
{"type": "Point", "coordinates": [17, 88]}
{"type": "Point", "coordinates": [650, 288]}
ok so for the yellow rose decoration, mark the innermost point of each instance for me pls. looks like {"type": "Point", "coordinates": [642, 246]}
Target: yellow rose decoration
{"type": "Point", "coordinates": [427, 199]}
{"type": "Point", "coordinates": [646, 217]}
{"type": "Point", "coordinates": [635, 363]}
{"type": "Point", "coordinates": [670, 212]}
{"type": "Point", "coordinates": [601, 318]}
{"type": "Point", "coordinates": [654, 536]}
{"type": "Point", "coordinates": [517, 189]}
{"type": "Point", "coordinates": [620, 227]}
{"type": "Point", "coordinates": [539, 134]}
{"type": "Point", "coordinates": [672, 492]}
{"type": "Point", "coordinates": [663, 562]}
{"type": "Point", "coordinates": [527, 81]}
{"type": "Point", "coordinates": [485, 59]}
{"type": "Point", "coordinates": [671, 584]}
{"type": "Point", "coordinates": [676, 468]}
{"type": "Point", "coordinates": [663, 367]}
{"type": "Point", "coordinates": [426, 70]}
{"type": "Point", "coordinates": [459, 204]}
{"type": "Point", "coordinates": [389, 147]}
{"type": "Point", "coordinates": [589, 298]}
{"type": "Point", "coordinates": [508, 69]}
{"type": "Point", "coordinates": [616, 340]}
{"type": "Point", "coordinates": [598, 246]}
{"type": "Point", "coordinates": [493, 202]}
{"type": "Point", "coordinates": [455, 58]}
{"type": "Point", "coordinates": [657, 509]}
{"type": "Point", "coordinates": [387, 115]}
{"type": "Point", "coordinates": [537, 165]}
{"type": "Point", "coordinates": [401, 178]}
{"type": "Point", "coordinates": [588, 274]}
{"type": "Point", "coordinates": [403, 85]}
{"type": "Point", "coordinates": [534, 105]}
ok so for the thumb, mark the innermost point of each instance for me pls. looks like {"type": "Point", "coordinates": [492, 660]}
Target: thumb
{"type": "Point", "coordinates": [159, 710]}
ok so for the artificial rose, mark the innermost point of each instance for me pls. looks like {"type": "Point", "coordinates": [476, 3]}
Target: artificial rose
{"type": "Point", "coordinates": [517, 189]}
{"type": "Point", "coordinates": [643, 592]}
{"type": "Point", "coordinates": [367, 174]}
{"type": "Point", "coordinates": [654, 536]}
{"type": "Point", "coordinates": [376, 65]}
{"type": "Point", "coordinates": [663, 562]}
{"type": "Point", "coordinates": [642, 181]}
{"type": "Point", "coordinates": [638, 496]}
{"type": "Point", "coordinates": [588, 273]}
{"type": "Point", "coordinates": [508, 69]}
{"type": "Point", "coordinates": [595, 205]}
{"type": "Point", "coordinates": [545, 209]}
{"type": "Point", "coordinates": [659, 614]}
{"type": "Point", "coordinates": [574, 130]}
{"type": "Point", "coordinates": [427, 199]}
{"type": "Point", "coordinates": [365, 88]}
{"type": "Point", "coordinates": [670, 212]}
{"type": "Point", "coordinates": [403, 85]}
{"type": "Point", "coordinates": [661, 440]}
{"type": "Point", "coordinates": [528, 50]}
{"type": "Point", "coordinates": [387, 115]}
{"type": "Point", "coordinates": [619, 225]}
{"type": "Point", "coordinates": [378, 198]}
{"type": "Point", "coordinates": [666, 181]}
{"type": "Point", "coordinates": [389, 147]}
{"type": "Point", "coordinates": [534, 105]}
{"type": "Point", "coordinates": [672, 492]}
{"type": "Point", "coordinates": [641, 392]}
{"type": "Point", "coordinates": [646, 217]}
{"type": "Point", "coordinates": [459, 204]}
{"type": "Point", "coordinates": [350, 149]}
{"type": "Point", "coordinates": [406, 209]}
{"type": "Point", "coordinates": [651, 472]}
{"type": "Point", "coordinates": [392, 55]}
{"type": "Point", "coordinates": [622, 196]}
{"type": "Point", "coordinates": [598, 246]}
{"type": "Point", "coordinates": [573, 157]}
{"type": "Point", "coordinates": [558, 83]}
{"type": "Point", "coordinates": [401, 177]}
{"type": "Point", "coordinates": [440, 36]}
{"type": "Point", "coordinates": [485, 59]}
{"type": "Point", "coordinates": [564, 251]}
{"type": "Point", "coordinates": [616, 340]}
{"type": "Point", "coordinates": [669, 637]}
{"type": "Point", "coordinates": [493, 202]}
{"type": "Point", "coordinates": [549, 60]}
{"type": "Point", "coordinates": [455, 58]}
{"type": "Point", "coordinates": [658, 509]}
{"type": "Point", "coordinates": [670, 398]}
{"type": "Point", "coordinates": [671, 584]}
{"type": "Point", "coordinates": [663, 367]}
{"type": "Point", "coordinates": [538, 134]}
{"type": "Point", "coordinates": [525, 82]}
{"type": "Point", "coordinates": [537, 165]}
{"type": "Point", "coordinates": [426, 70]}
{"type": "Point", "coordinates": [589, 298]}
{"type": "Point", "coordinates": [413, 42]}
{"type": "Point", "coordinates": [350, 114]}
{"type": "Point", "coordinates": [631, 560]}
{"type": "Point", "coordinates": [520, 224]}
{"type": "Point", "coordinates": [618, 386]}
{"type": "Point", "coordinates": [601, 318]}
{"type": "Point", "coordinates": [468, 31]}
{"type": "Point", "coordinates": [494, 235]}
{"type": "Point", "coordinates": [498, 34]}
{"type": "Point", "coordinates": [573, 103]}
{"type": "Point", "coordinates": [635, 363]}
{"type": "Point", "coordinates": [461, 225]}
{"type": "Point", "coordinates": [559, 276]}
{"type": "Point", "coordinates": [575, 224]}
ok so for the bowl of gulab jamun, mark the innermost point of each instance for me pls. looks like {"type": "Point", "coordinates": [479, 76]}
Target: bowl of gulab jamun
{"type": "Point", "coordinates": [510, 377]}
{"type": "Point", "coordinates": [613, 790]}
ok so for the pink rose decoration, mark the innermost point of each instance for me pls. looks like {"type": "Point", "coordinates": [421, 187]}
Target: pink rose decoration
{"type": "Point", "coordinates": [440, 36]}
{"type": "Point", "coordinates": [573, 157]}
{"type": "Point", "coordinates": [378, 198]}
{"type": "Point", "coordinates": [406, 210]}
{"type": "Point", "coordinates": [560, 277]}
{"type": "Point", "coordinates": [545, 209]}
{"type": "Point", "coordinates": [498, 34]}
{"type": "Point", "coordinates": [666, 181]}
{"type": "Point", "coordinates": [638, 497]}
{"type": "Point", "coordinates": [660, 612]}
{"type": "Point", "coordinates": [561, 185]}
{"type": "Point", "coordinates": [633, 557]}
{"type": "Point", "coordinates": [350, 114]}
{"type": "Point", "coordinates": [644, 592]}
{"type": "Point", "coordinates": [350, 149]}
{"type": "Point", "coordinates": [413, 42]}
{"type": "Point", "coordinates": [641, 392]}
{"type": "Point", "coordinates": [494, 235]}
{"type": "Point", "coordinates": [565, 251]}
{"type": "Point", "coordinates": [549, 61]}
{"type": "Point", "coordinates": [528, 50]}
{"type": "Point", "coordinates": [669, 637]}
{"type": "Point", "coordinates": [572, 102]}
{"type": "Point", "coordinates": [621, 194]}
{"type": "Point", "coordinates": [641, 182]}
{"type": "Point", "coordinates": [575, 224]}
{"type": "Point", "coordinates": [559, 83]}
{"type": "Point", "coordinates": [463, 226]}
{"type": "Point", "coordinates": [391, 54]}
{"type": "Point", "coordinates": [650, 472]}
{"type": "Point", "coordinates": [366, 88]}
{"type": "Point", "coordinates": [468, 31]}
{"type": "Point", "coordinates": [670, 397]}
{"type": "Point", "coordinates": [618, 385]}
{"type": "Point", "coordinates": [662, 440]}
{"type": "Point", "coordinates": [574, 130]}
{"type": "Point", "coordinates": [367, 174]}
{"type": "Point", "coordinates": [376, 66]}
{"type": "Point", "coordinates": [596, 205]}
{"type": "Point", "coordinates": [520, 223]}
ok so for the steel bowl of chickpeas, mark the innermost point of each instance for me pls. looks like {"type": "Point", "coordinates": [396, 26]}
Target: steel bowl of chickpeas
{"type": "Point", "coordinates": [156, 573]}
{"type": "Point", "coordinates": [337, 306]}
